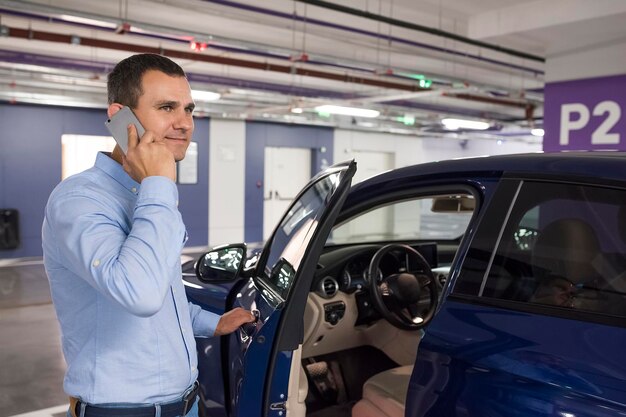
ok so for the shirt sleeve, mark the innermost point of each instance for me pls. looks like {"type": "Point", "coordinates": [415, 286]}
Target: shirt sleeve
{"type": "Point", "coordinates": [203, 322]}
{"type": "Point", "coordinates": [131, 267]}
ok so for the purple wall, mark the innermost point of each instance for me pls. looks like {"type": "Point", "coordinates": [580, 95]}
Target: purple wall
{"type": "Point", "coordinates": [587, 114]}
{"type": "Point", "coordinates": [30, 167]}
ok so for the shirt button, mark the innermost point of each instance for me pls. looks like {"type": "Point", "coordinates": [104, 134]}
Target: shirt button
{"type": "Point", "coordinates": [134, 189]}
{"type": "Point", "coordinates": [96, 262]}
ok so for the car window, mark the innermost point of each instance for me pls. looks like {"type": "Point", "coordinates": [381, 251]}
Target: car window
{"type": "Point", "coordinates": [427, 218]}
{"type": "Point", "coordinates": [562, 246]}
{"type": "Point", "coordinates": [294, 233]}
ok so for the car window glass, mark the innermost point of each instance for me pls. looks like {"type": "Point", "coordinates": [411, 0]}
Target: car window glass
{"type": "Point", "coordinates": [294, 233]}
{"type": "Point", "coordinates": [563, 246]}
{"type": "Point", "coordinates": [427, 218]}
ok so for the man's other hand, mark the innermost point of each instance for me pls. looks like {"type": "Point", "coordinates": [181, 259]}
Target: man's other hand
{"type": "Point", "coordinates": [232, 319]}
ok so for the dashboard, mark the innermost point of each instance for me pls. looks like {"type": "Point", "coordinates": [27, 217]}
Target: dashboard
{"type": "Point", "coordinates": [349, 266]}
{"type": "Point", "coordinates": [340, 313]}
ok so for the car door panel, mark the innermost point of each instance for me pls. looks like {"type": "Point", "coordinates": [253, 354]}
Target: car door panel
{"type": "Point", "coordinates": [295, 247]}
{"type": "Point", "coordinates": [484, 370]}
{"type": "Point", "coordinates": [246, 344]}
{"type": "Point", "coordinates": [251, 359]}
{"type": "Point", "coordinates": [214, 298]}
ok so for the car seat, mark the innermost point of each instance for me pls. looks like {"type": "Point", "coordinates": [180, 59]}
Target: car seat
{"type": "Point", "coordinates": [566, 248]}
{"type": "Point", "coordinates": [384, 394]}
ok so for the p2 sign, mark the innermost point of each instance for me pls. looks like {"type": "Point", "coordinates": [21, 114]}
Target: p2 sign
{"type": "Point", "coordinates": [585, 114]}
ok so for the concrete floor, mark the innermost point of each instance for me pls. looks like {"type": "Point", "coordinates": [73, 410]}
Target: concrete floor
{"type": "Point", "coordinates": [31, 361]}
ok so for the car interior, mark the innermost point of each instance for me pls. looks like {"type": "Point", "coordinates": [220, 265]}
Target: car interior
{"type": "Point", "coordinates": [573, 257]}
{"type": "Point", "coordinates": [355, 360]}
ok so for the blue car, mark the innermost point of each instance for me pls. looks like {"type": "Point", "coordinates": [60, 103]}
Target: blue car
{"type": "Point", "coordinates": [490, 286]}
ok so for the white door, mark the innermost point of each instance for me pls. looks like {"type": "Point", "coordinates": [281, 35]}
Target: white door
{"type": "Point", "coordinates": [287, 170]}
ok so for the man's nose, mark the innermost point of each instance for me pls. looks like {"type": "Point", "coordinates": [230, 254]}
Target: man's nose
{"type": "Point", "coordinates": [183, 121]}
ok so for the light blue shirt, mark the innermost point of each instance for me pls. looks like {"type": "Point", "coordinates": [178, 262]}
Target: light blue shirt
{"type": "Point", "coordinates": [112, 254]}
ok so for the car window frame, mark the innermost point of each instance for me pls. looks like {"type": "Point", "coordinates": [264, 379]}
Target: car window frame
{"type": "Point", "coordinates": [262, 280]}
{"type": "Point", "coordinates": [495, 217]}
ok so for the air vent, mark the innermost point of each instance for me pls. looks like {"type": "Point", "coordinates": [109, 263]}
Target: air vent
{"type": "Point", "coordinates": [328, 287]}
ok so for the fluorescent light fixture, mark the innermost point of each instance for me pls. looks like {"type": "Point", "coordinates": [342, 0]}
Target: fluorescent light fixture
{"type": "Point", "coordinates": [297, 110]}
{"type": "Point", "coordinates": [366, 124]}
{"type": "Point", "coordinates": [87, 21]}
{"type": "Point", "coordinates": [454, 124]}
{"type": "Point", "coordinates": [347, 111]}
{"type": "Point", "coordinates": [205, 95]}
{"type": "Point", "coordinates": [537, 132]}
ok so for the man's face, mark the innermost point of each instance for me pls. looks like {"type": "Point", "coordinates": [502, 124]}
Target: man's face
{"type": "Point", "coordinates": [166, 108]}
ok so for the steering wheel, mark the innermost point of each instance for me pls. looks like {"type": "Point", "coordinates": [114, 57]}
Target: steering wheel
{"type": "Point", "coordinates": [398, 296]}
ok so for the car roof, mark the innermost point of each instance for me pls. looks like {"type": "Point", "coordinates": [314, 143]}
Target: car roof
{"type": "Point", "coordinates": [608, 165]}
{"type": "Point", "coordinates": [597, 165]}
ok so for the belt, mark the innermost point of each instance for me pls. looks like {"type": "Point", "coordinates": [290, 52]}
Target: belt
{"type": "Point", "coordinates": [173, 409]}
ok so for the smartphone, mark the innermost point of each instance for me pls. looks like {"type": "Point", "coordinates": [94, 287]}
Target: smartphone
{"type": "Point", "coordinates": [118, 126]}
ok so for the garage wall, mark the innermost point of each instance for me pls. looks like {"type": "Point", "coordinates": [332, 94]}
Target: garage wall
{"type": "Point", "coordinates": [410, 150]}
{"type": "Point", "coordinates": [258, 136]}
{"type": "Point", "coordinates": [405, 150]}
{"type": "Point", "coordinates": [437, 149]}
{"type": "Point", "coordinates": [30, 167]}
{"type": "Point", "coordinates": [193, 198]}
{"type": "Point", "coordinates": [227, 174]}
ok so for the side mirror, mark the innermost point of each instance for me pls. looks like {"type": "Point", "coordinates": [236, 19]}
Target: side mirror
{"type": "Point", "coordinates": [223, 263]}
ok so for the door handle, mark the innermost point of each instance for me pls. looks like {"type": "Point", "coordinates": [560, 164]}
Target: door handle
{"type": "Point", "coordinates": [247, 329]}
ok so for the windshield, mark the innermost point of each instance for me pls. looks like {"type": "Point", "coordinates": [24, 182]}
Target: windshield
{"type": "Point", "coordinates": [442, 217]}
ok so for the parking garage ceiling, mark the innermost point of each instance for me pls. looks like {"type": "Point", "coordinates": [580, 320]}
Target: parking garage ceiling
{"type": "Point", "coordinates": [415, 62]}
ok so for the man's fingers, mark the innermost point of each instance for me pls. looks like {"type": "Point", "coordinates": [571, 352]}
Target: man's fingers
{"type": "Point", "coordinates": [133, 138]}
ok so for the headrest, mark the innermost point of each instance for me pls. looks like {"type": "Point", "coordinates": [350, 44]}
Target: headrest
{"type": "Point", "coordinates": [566, 248]}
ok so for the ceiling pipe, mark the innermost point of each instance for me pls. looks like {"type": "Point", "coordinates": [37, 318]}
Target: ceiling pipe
{"type": "Point", "coordinates": [83, 65]}
{"type": "Point", "coordinates": [388, 38]}
{"type": "Point", "coordinates": [420, 28]}
{"type": "Point", "coordinates": [172, 53]}
{"type": "Point", "coordinates": [284, 56]}
{"type": "Point", "coordinates": [102, 68]}
{"type": "Point", "coordinates": [485, 99]}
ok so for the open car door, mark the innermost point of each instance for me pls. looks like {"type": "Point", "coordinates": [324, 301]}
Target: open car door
{"type": "Point", "coordinates": [256, 360]}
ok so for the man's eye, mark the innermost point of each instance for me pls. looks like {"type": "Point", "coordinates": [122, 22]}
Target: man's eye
{"type": "Point", "coordinates": [166, 108]}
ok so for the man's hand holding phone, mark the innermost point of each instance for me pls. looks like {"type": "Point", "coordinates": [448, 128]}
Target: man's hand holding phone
{"type": "Point", "coordinates": [143, 153]}
{"type": "Point", "coordinates": [148, 156]}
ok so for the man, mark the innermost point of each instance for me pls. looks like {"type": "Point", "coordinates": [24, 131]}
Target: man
{"type": "Point", "coordinates": [112, 239]}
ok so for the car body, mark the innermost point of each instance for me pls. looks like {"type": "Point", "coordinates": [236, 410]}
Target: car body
{"type": "Point", "coordinates": [490, 286]}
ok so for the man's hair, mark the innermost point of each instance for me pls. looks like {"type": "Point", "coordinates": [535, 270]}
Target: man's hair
{"type": "Point", "coordinates": [124, 82]}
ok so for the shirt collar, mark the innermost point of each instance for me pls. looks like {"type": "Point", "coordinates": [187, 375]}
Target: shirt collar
{"type": "Point", "coordinates": [115, 171]}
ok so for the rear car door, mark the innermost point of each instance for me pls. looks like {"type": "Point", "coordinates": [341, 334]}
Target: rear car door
{"type": "Point", "coordinates": [255, 361]}
{"type": "Point", "coordinates": [536, 322]}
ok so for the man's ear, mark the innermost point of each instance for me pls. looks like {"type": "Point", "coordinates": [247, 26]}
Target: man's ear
{"type": "Point", "coordinates": [114, 108]}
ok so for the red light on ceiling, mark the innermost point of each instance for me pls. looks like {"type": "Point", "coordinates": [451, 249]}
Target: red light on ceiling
{"type": "Point", "coordinates": [303, 57]}
{"type": "Point", "coordinates": [197, 46]}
